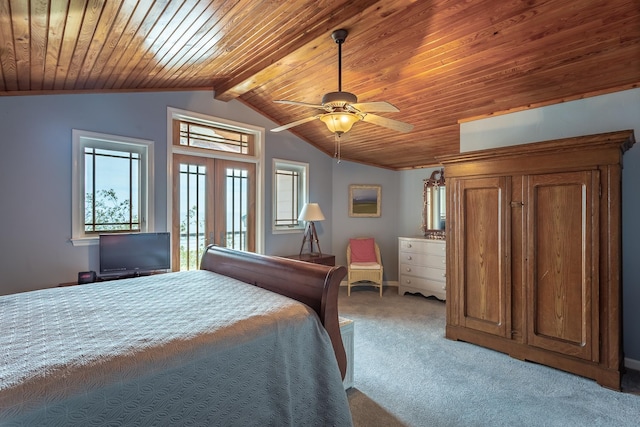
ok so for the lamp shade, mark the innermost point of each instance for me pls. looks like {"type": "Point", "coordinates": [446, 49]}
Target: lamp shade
{"type": "Point", "coordinates": [311, 212]}
{"type": "Point", "coordinates": [339, 122]}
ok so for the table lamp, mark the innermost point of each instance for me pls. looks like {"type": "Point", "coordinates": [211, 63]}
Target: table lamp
{"type": "Point", "coordinates": [311, 212]}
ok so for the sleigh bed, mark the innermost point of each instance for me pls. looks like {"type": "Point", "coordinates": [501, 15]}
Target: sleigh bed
{"type": "Point", "coordinates": [246, 340]}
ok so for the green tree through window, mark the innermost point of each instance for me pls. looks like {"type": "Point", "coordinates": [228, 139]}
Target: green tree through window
{"type": "Point", "coordinates": [108, 213]}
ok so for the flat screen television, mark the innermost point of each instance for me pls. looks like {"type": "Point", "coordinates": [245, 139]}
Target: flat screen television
{"type": "Point", "coordinates": [133, 254]}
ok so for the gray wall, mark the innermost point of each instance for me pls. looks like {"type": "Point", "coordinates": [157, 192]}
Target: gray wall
{"type": "Point", "coordinates": [411, 184]}
{"type": "Point", "coordinates": [606, 113]}
{"type": "Point", "coordinates": [35, 174]}
{"type": "Point", "coordinates": [384, 229]}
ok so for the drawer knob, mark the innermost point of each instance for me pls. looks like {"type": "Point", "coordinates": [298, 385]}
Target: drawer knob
{"type": "Point", "coordinates": [444, 261]}
{"type": "Point", "coordinates": [409, 257]}
{"type": "Point", "coordinates": [408, 268]}
{"type": "Point", "coordinates": [409, 245]}
{"type": "Point", "coordinates": [444, 274]}
{"type": "Point", "coordinates": [408, 281]}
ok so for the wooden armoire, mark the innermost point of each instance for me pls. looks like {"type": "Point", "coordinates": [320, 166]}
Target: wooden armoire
{"type": "Point", "coordinates": [534, 252]}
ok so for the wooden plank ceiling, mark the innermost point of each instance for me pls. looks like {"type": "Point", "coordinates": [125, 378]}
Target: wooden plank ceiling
{"type": "Point", "coordinates": [439, 61]}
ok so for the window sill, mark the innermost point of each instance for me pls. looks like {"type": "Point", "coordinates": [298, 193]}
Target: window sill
{"type": "Point", "coordinates": [85, 241]}
{"type": "Point", "coordinates": [287, 230]}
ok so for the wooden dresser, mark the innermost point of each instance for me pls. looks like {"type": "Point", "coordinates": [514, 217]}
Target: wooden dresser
{"type": "Point", "coordinates": [533, 252]}
{"type": "Point", "coordinates": [422, 266]}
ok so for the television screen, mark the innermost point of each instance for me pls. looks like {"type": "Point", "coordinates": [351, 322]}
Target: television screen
{"type": "Point", "coordinates": [134, 253]}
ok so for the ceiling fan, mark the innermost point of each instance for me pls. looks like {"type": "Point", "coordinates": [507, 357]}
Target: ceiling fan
{"type": "Point", "coordinates": [341, 110]}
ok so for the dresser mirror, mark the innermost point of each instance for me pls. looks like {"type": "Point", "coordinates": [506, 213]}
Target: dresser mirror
{"type": "Point", "coordinates": [434, 206]}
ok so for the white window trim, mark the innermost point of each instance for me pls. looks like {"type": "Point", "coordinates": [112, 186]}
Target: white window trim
{"type": "Point", "coordinates": [304, 167]}
{"type": "Point", "coordinates": [257, 158]}
{"type": "Point", "coordinates": [80, 138]}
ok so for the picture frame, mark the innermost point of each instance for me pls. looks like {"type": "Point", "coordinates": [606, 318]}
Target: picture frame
{"type": "Point", "coordinates": [364, 200]}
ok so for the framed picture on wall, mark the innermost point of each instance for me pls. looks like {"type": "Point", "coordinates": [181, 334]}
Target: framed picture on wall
{"type": "Point", "coordinates": [364, 200]}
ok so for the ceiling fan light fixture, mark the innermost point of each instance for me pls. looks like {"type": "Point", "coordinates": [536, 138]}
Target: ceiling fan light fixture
{"type": "Point", "coordinates": [339, 122]}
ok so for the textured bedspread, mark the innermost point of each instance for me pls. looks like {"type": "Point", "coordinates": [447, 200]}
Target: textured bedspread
{"type": "Point", "coordinates": [189, 348]}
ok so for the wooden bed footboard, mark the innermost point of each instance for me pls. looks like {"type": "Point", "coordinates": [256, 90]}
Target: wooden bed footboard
{"type": "Point", "coordinates": [312, 284]}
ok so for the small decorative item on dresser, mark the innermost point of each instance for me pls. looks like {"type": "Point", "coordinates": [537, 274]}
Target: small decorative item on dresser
{"type": "Point", "coordinates": [434, 206]}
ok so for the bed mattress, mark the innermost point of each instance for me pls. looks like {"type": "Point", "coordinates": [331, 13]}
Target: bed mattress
{"type": "Point", "coordinates": [187, 348]}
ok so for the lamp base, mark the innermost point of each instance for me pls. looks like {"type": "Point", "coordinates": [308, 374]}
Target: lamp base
{"type": "Point", "coordinates": [310, 233]}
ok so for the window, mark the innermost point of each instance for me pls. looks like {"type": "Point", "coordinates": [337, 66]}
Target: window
{"type": "Point", "coordinates": [112, 185]}
{"type": "Point", "coordinates": [210, 136]}
{"type": "Point", "coordinates": [290, 187]}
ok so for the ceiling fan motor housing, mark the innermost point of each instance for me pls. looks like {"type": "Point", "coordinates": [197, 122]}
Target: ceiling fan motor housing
{"type": "Point", "coordinates": [338, 99]}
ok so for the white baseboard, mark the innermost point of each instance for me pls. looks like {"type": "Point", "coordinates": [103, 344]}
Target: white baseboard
{"type": "Point", "coordinates": [632, 364]}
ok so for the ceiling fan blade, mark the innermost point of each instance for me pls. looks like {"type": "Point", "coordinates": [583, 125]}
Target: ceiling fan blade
{"type": "Point", "coordinates": [388, 123]}
{"type": "Point", "coordinates": [303, 104]}
{"type": "Point", "coordinates": [292, 124]}
{"type": "Point", "coordinates": [379, 106]}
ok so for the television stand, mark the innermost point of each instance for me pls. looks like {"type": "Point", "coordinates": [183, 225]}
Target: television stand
{"type": "Point", "coordinates": [115, 277]}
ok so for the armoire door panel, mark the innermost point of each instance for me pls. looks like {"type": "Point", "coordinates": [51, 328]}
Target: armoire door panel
{"type": "Point", "coordinates": [484, 288]}
{"type": "Point", "coordinates": [562, 284]}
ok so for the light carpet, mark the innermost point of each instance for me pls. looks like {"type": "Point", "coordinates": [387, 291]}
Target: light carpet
{"type": "Point", "coordinates": [407, 374]}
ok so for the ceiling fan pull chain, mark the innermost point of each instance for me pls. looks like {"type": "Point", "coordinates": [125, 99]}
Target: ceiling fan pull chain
{"type": "Point", "coordinates": [336, 153]}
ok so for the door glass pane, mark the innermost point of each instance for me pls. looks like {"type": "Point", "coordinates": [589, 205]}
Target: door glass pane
{"type": "Point", "coordinates": [192, 210]}
{"type": "Point", "coordinates": [237, 188]}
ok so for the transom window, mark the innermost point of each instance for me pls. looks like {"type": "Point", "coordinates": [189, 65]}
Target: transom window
{"type": "Point", "coordinates": [210, 137]}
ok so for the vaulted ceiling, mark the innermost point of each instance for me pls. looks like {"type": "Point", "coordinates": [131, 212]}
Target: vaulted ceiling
{"type": "Point", "coordinates": [440, 61]}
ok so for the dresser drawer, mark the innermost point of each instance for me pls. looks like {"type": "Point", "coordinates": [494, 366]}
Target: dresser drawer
{"type": "Point", "coordinates": [426, 260]}
{"type": "Point", "coordinates": [423, 286]}
{"type": "Point", "coordinates": [425, 272]}
{"type": "Point", "coordinates": [431, 247]}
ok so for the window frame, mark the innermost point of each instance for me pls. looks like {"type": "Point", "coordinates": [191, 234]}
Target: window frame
{"type": "Point", "coordinates": [218, 128]}
{"type": "Point", "coordinates": [303, 189]}
{"type": "Point", "coordinates": [82, 139]}
{"type": "Point", "coordinates": [256, 156]}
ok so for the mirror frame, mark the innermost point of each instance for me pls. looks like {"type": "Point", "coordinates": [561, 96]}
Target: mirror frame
{"type": "Point", "coordinates": [436, 180]}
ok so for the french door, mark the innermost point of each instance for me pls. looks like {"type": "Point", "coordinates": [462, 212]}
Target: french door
{"type": "Point", "coordinates": [213, 202]}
